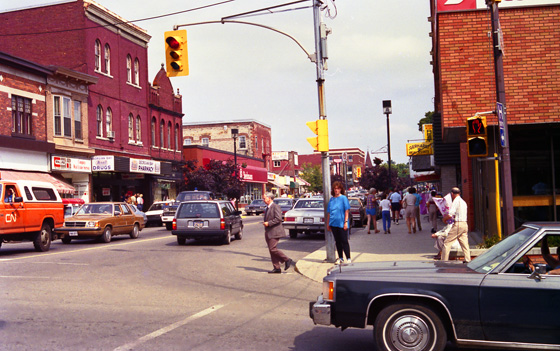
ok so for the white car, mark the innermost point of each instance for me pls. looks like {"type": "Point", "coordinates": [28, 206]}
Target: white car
{"type": "Point", "coordinates": [155, 211]}
{"type": "Point", "coordinates": [307, 216]}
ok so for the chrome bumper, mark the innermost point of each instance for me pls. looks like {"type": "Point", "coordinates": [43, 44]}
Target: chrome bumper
{"type": "Point", "coordinates": [320, 312]}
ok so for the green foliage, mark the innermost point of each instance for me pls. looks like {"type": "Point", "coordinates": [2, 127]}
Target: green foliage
{"type": "Point", "coordinates": [313, 175]}
{"type": "Point", "coordinates": [488, 242]}
{"type": "Point", "coordinates": [216, 176]}
{"type": "Point", "coordinates": [378, 176]}
{"type": "Point", "coordinates": [428, 119]}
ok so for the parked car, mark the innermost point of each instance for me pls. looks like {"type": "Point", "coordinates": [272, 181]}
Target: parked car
{"type": "Point", "coordinates": [154, 213]}
{"type": "Point", "coordinates": [358, 212]}
{"type": "Point", "coordinates": [503, 298]}
{"type": "Point", "coordinates": [307, 216]}
{"type": "Point", "coordinates": [138, 212]}
{"type": "Point", "coordinates": [71, 206]}
{"type": "Point", "coordinates": [168, 213]}
{"type": "Point", "coordinates": [102, 220]}
{"type": "Point", "coordinates": [256, 207]}
{"type": "Point", "coordinates": [207, 219]}
{"type": "Point", "coordinates": [285, 204]}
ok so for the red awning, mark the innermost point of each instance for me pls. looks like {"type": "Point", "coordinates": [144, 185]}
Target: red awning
{"type": "Point", "coordinates": [61, 187]}
{"type": "Point", "coordinates": [252, 174]}
{"type": "Point", "coordinates": [427, 177]}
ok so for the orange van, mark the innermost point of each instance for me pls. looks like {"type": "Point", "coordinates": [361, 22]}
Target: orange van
{"type": "Point", "coordinates": [29, 210]}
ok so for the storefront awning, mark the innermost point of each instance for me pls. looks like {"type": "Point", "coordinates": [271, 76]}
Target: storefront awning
{"type": "Point", "coordinates": [302, 182]}
{"type": "Point", "coordinates": [252, 174]}
{"type": "Point", "coordinates": [61, 187]}
{"type": "Point", "coordinates": [433, 177]}
{"type": "Point", "coordinates": [277, 184]}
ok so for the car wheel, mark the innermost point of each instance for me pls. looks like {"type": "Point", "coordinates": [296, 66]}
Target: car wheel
{"type": "Point", "coordinates": [293, 233]}
{"type": "Point", "coordinates": [239, 235]}
{"type": "Point", "coordinates": [168, 226]}
{"type": "Point", "coordinates": [106, 236]}
{"type": "Point", "coordinates": [181, 240]}
{"type": "Point", "coordinates": [66, 240]}
{"type": "Point", "coordinates": [42, 241]}
{"type": "Point", "coordinates": [135, 231]}
{"type": "Point", "coordinates": [403, 327]}
{"type": "Point", "coordinates": [227, 238]}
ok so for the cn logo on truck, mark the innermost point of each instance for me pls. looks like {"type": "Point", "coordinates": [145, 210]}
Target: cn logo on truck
{"type": "Point", "coordinates": [455, 5]}
{"type": "Point", "coordinates": [11, 218]}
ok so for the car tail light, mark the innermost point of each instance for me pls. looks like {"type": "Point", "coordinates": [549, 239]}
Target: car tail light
{"type": "Point", "coordinates": [174, 225]}
{"type": "Point", "coordinates": [323, 219]}
{"type": "Point", "coordinates": [328, 291]}
{"type": "Point", "coordinates": [222, 224]}
{"type": "Point", "coordinates": [290, 219]}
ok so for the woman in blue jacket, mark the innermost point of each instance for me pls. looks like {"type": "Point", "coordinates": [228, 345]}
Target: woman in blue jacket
{"type": "Point", "coordinates": [338, 211]}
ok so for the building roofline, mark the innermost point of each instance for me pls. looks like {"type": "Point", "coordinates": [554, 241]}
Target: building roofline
{"type": "Point", "coordinates": [25, 64]}
{"type": "Point", "coordinates": [36, 6]}
{"type": "Point", "coordinates": [231, 121]}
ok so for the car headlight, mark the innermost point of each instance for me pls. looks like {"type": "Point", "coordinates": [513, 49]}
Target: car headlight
{"type": "Point", "coordinates": [92, 224]}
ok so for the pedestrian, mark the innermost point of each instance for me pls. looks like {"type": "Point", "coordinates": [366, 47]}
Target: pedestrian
{"type": "Point", "coordinates": [395, 199]}
{"type": "Point", "coordinates": [459, 229]}
{"type": "Point", "coordinates": [433, 211]}
{"type": "Point", "coordinates": [140, 201]}
{"type": "Point", "coordinates": [372, 206]}
{"type": "Point", "coordinates": [133, 199]}
{"type": "Point", "coordinates": [273, 231]}
{"type": "Point", "coordinates": [417, 204]}
{"type": "Point", "coordinates": [385, 206]}
{"type": "Point", "coordinates": [338, 211]}
{"type": "Point", "coordinates": [409, 210]}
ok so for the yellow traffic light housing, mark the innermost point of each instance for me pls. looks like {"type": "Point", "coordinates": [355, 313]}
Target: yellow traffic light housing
{"type": "Point", "coordinates": [176, 54]}
{"type": "Point", "coordinates": [321, 128]}
{"type": "Point", "coordinates": [477, 137]}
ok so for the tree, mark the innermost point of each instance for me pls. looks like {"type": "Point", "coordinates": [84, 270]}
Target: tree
{"type": "Point", "coordinates": [313, 175]}
{"type": "Point", "coordinates": [216, 176]}
{"type": "Point", "coordinates": [378, 177]}
{"type": "Point", "coordinates": [428, 119]}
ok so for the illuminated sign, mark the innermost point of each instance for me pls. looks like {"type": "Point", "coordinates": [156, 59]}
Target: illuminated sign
{"type": "Point", "coordinates": [103, 163]}
{"type": "Point", "coordinates": [145, 166]}
{"type": "Point", "coordinates": [61, 163]}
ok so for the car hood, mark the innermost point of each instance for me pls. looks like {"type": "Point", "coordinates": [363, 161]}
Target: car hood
{"type": "Point", "coordinates": [92, 217]}
{"type": "Point", "coordinates": [401, 267]}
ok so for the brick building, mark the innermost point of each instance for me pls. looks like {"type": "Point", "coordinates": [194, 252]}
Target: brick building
{"type": "Point", "coordinates": [134, 131]}
{"type": "Point", "coordinates": [355, 163]}
{"type": "Point", "coordinates": [465, 84]}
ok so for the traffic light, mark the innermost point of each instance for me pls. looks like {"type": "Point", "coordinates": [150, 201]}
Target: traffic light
{"type": "Point", "coordinates": [477, 139]}
{"type": "Point", "coordinates": [176, 54]}
{"type": "Point", "coordinates": [321, 128]}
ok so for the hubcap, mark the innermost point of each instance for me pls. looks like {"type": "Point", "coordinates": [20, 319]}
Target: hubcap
{"type": "Point", "coordinates": [409, 333]}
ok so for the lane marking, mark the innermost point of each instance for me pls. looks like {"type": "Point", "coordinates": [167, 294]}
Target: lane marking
{"type": "Point", "coordinates": [165, 330]}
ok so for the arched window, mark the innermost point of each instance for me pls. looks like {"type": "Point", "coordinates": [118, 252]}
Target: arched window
{"type": "Point", "coordinates": [176, 137]}
{"type": "Point", "coordinates": [138, 130]}
{"type": "Point", "coordinates": [130, 127]}
{"type": "Point", "coordinates": [97, 55]}
{"type": "Point", "coordinates": [161, 134]}
{"type": "Point", "coordinates": [153, 131]}
{"type": "Point", "coordinates": [129, 69]}
{"type": "Point", "coordinates": [107, 59]}
{"type": "Point", "coordinates": [99, 121]}
{"type": "Point", "coordinates": [136, 72]}
{"type": "Point", "coordinates": [169, 131]}
{"type": "Point", "coordinates": [108, 119]}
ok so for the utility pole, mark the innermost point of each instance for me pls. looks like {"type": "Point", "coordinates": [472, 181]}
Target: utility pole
{"type": "Point", "coordinates": [497, 44]}
{"type": "Point", "coordinates": [320, 59]}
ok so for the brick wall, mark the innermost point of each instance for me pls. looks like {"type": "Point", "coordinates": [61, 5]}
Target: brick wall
{"type": "Point", "coordinates": [531, 65]}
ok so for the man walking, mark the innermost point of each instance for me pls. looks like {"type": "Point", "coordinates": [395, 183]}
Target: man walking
{"type": "Point", "coordinates": [396, 199]}
{"type": "Point", "coordinates": [459, 230]}
{"type": "Point", "coordinates": [273, 231]}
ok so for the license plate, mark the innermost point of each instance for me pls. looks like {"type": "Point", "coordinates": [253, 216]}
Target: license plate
{"type": "Point", "coordinates": [308, 220]}
{"type": "Point", "coordinates": [198, 224]}
{"type": "Point", "coordinates": [73, 233]}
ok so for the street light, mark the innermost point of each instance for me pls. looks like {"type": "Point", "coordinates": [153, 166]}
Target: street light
{"type": "Point", "coordinates": [234, 134]}
{"type": "Point", "coordinates": [388, 110]}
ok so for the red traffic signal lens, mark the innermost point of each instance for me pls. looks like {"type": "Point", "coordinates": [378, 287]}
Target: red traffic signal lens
{"type": "Point", "coordinates": [173, 43]}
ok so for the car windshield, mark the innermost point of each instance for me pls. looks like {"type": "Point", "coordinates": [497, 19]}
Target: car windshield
{"type": "Point", "coordinates": [198, 210]}
{"type": "Point", "coordinates": [309, 204]}
{"type": "Point", "coordinates": [283, 202]}
{"type": "Point", "coordinates": [89, 209]}
{"type": "Point", "coordinates": [257, 203]}
{"type": "Point", "coordinates": [155, 207]}
{"type": "Point", "coordinates": [354, 202]}
{"type": "Point", "coordinates": [495, 255]}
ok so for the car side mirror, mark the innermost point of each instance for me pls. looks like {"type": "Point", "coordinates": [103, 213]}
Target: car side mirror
{"type": "Point", "coordinates": [540, 269]}
{"type": "Point", "coordinates": [18, 199]}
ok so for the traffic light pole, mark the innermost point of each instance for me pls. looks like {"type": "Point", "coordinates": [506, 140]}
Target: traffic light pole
{"type": "Point", "coordinates": [320, 65]}
{"type": "Point", "coordinates": [507, 193]}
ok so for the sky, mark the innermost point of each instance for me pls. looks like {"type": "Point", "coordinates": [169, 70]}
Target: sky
{"type": "Point", "coordinates": [378, 50]}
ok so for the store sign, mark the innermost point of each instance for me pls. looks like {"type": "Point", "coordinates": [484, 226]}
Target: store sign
{"type": "Point", "coordinates": [428, 131]}
{"type": "Point", "coordinates": [145, 166]}
{"type": "Point", "coordinates": [466, 5]}
{"type": "Point", "coordinates": [279, 155]}
{"type": "Point", "coordinates": [417, 149]}
{"type": "Point", "coordinates": [60, 163]}
{"type": "Point", "coordinates": [103, 163]}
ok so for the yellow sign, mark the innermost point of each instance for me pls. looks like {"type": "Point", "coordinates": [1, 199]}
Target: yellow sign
{"type": "Point", "coordinates": [428, 131]}
{"type": "Point", "coordinates": [417, 149]}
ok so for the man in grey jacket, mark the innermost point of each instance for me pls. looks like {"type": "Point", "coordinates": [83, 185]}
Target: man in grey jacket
{"type": "Point", "coordinates": [273, 231]}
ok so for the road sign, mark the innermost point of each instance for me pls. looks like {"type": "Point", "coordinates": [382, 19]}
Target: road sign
{"type": "Point", "coordinates": [501, 123]}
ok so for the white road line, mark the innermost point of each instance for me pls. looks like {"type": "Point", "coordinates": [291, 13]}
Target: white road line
{"type": "Point", "coordinates": [160, 332]}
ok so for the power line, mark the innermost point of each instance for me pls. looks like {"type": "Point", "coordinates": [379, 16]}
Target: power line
{"type": "Point", "coordinates": [119, 23]}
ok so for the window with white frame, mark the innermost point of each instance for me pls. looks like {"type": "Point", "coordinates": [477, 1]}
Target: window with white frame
{"type": "Point", "coordinates": [242, 142]}
{"type": "Point", "coordinates": [78, 120]}
{"type": "Point", "coordinates": [161, 134]}
{"type": "Point", "coordinates": [99, 121]}
{"type": "Point", "coordinates": [128, 69]}
{"type": "Point", "coordinates": [62, 116]}
{"type": "Point", "coordinates": [136, 72]}
{"type": "Point", "coordinates": [153, 132]}
{"type": "Point", "coordinates": [205, 141]}
{"type": "Point", "coordinates": [138, 129]}
{"type": "Point", "coordinates": [130, 127]}
{"type": "Point", "coordinates": [108, 121]}
{"type": "Point", "coordinates": [277, 163]}
{"type": "Point", "coordinates": [176, 137]}
{"type": "Point", "coordinates": [67, 117]}
{"type": "Point", "coordinates": [169, 131]}
{"type": "Point", "coordinates": [187, 141]}
{"type": "Point", "coordinates": [107, 59]}
{"type": "Point", "coordinates": [21, 115]}
{"type": "Point", "coordinates": [97, 55]}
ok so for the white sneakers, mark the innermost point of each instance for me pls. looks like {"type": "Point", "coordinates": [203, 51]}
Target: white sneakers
{"type": "Point", "coordinates": [341, 261]}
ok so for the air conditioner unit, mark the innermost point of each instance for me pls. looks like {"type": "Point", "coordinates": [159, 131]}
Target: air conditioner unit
{"type": "Point", "coordinates": [111, 134]}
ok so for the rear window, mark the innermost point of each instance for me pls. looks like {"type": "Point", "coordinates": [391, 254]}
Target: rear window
{"type": "Point", "coordinates": [198, 210]}
{"type": "Point", "coordinates": [309, 204]}
{"type": "Point", "coordinates": [194, 195]}
{"type": "Point", "coordinates": [282, 202]}
{"type": "Point", "coordinates": [257, 202]}
{"type": "Point", "coordinates": [44, 194]}
{"type": "Point", "coordinates": [354, 202]}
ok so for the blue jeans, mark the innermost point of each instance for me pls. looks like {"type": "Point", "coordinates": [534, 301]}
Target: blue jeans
{"type": "Point", "coordinates": [386, 216]}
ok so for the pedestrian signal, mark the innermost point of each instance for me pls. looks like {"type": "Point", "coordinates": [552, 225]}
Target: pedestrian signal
{"type": "Point", "coordinates": [477, 138]}
{"type": "Point", "coordinates": [321, 141]}
{"type": "Point", "coordinates": [176, 54]}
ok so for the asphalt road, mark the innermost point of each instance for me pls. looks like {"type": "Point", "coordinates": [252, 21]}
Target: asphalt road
{"type": "Point", "coordinates": [152, 294]}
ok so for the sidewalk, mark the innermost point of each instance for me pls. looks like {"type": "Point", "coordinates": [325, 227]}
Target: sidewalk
{"type": "Point", "coordinates": [364, 247]}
